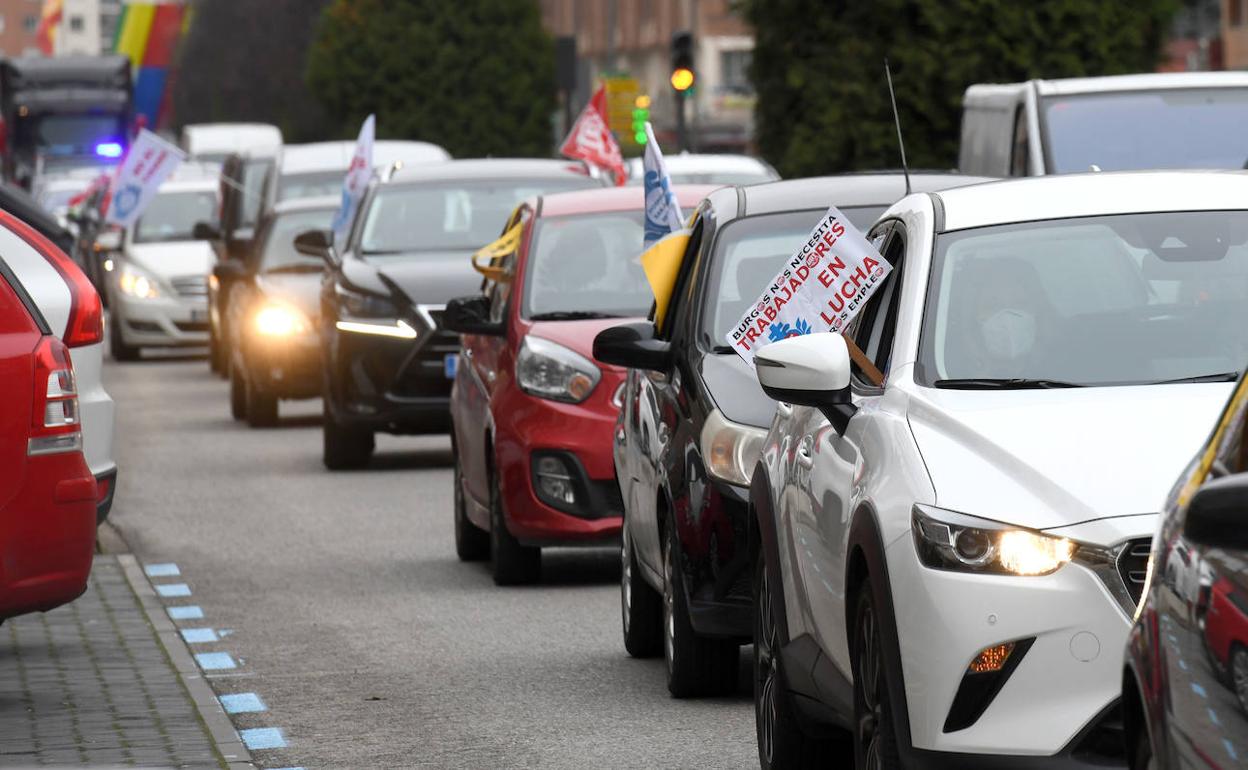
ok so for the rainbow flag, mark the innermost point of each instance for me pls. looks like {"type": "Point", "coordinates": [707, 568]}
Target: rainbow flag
{"type": "Point", "coordinates": [148, 33]}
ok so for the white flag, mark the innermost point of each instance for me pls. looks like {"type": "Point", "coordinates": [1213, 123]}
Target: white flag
{"type": "Point", "coordinates": [149, 162]}
{"type": "Point", "coordinates": [819, 289]}
{"type": "Point", "coordinates": [662, 209]}
{"type": "Point", "coordinates": [356, 182]}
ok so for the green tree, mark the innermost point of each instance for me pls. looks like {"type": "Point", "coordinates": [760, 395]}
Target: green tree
{"type": "Point", "coordinates": [818, 68]}
{"type": "Point", "coordinates": [475, 76]}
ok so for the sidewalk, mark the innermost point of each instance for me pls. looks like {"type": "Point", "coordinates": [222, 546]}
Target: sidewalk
{"type": "Point", "coordinates": [96, 683]}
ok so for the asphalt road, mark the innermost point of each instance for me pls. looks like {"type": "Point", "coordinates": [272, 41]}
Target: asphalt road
{"type": "Point", "coordinates": [351, 618]}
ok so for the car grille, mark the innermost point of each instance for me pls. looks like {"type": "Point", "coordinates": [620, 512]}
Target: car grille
{"type": "Point", "coordinates": [190, 285]}
{"type": "Point", "coordinates": [424, 373]}
{"type": "Point", "coordinates": [1133, 565]}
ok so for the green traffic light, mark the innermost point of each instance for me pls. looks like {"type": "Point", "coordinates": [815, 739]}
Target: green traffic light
{"type": "Point", "coordinates": [640, 137]}
{"type": "Point", "coordinates": [641, 114]}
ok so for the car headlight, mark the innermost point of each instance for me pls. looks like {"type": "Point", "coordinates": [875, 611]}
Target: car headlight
{"type": "Point", "coordinates": [729, 449]}
{"type": "Point", "coordinates": [954, 541]}
{"type": "Point", "coordinates": [136, 283]}
{"type": "Point", "coordinates": [549, 370]}
{"type": "Point", "coordinates": [281, 321]}
{"type": "Point", "coordinates": [360, 305]}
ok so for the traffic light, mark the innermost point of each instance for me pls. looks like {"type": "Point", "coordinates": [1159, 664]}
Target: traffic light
{"type": "Point", "coordinates": [641, 114]}
{"type": "Point", "coordinates": [682, 61]}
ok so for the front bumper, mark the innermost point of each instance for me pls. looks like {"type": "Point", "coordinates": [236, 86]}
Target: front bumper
{"type": "Point", "coordinates": [1068, 678]}
{"type": "Point", "coordinates": [161, 322]}
{"type": "Point", "coordinates": [287, 367]}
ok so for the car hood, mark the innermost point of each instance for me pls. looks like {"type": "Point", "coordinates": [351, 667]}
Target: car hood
{"type": "Point", "coordinates": [303, 290]}
{"type": "Point", "coordinates": [424, 278]}
{"type": "Point", "coordinates": [1053, 458]}
{"type": "Point", "coordinates": [173, 258]}
{"type": "Point", "coordinates": [735, 390]}
{"type": "Point", "coordinates": [578, 335]}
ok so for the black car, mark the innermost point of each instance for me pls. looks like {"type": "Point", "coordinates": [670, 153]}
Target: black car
{"type": "Point", "coordinates": [694, 418]}
{"type": "Point", "coordinates": [1185, 681]}
{"type": "Point", "coordinates": [387, 364]}
{"type": "Point", "coordinates": [274, 300]}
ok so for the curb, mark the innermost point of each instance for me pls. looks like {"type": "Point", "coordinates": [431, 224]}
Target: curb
{"type": "Point", "coordinates": [224, 737]}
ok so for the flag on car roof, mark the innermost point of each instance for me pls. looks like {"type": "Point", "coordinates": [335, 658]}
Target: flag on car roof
{"type": "Point", "coordinates": [591, 139]}
{"type": "Point", "coordinates": [662, 209]}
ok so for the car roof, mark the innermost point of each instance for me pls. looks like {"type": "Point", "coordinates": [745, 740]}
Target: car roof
{"type": "Point", "coordinates": [616, 199]}
{"type": "Point", "coordinates": [1111, 83]}
{"type": "Point", "coordinates": [335, 156]}
{"type": "Point", "coordinates": [307, 204]}
{"type": "Point", "coordinates": [844, 190]}
{"type": "Point", "coordinates": [1063, 196]}
{"type": "Point", "coordinates": [230, 137]}
{"type": "Point", "coordinates": [197, 183]}
{"type": "Point", "coordinates": [488, 168]}
{"type": "Point", "coordinates": [686, 161]}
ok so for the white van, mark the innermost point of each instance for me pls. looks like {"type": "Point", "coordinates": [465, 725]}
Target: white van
{"type": "Point", "coordinates": [1123, 122]}
{"type": "Point", "coordinates": [214, 142]}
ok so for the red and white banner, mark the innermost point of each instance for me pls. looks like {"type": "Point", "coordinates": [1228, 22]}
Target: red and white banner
{"type": "Point", "coordinates": [820, 288]}
{"type": "Point", "coordinates": [591, 139]}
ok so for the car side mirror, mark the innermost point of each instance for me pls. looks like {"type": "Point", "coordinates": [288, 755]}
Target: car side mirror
{"type": "Point", "coordinates": [316, 243]}
{"type": "Point", "coordinates": [810, 370]}
{"type": "Point", "coordinates": [471, 315]}
{"type": "Point", "coordinates": [1218, 513]}
{"type": "Point", "coordinates": [633, 345]}
{"type": "Point", "coordinates": [205, 231]}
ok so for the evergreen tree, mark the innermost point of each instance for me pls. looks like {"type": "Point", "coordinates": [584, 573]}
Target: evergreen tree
{"type": "Point", "coordinates": [475, 76]}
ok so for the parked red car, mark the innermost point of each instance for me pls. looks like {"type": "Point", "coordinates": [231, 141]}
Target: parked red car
{"type": "Point", "coordinates": [47, 492]}
{"type": "Point", "coordinates": [533, 413]}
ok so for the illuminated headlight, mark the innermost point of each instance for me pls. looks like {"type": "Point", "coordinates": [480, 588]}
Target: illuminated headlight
{"type": "Point", "coordinates": [549, 370]}
{"type": "Point", "coordinates": [730, 450]}
{"type": "Point", "coordinates": [137, 284]}
{"type": "Point", "coordinates": [281, 321]}
{"type": "Point", "coordinates": [953, 541]}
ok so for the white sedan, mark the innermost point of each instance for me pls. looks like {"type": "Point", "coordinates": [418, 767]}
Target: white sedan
{"type": "Point", "coordinates": [950, 558]}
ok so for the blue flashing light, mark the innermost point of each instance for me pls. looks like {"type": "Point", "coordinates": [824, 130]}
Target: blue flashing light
{"type": "Point", "coordinates": [108, 149]}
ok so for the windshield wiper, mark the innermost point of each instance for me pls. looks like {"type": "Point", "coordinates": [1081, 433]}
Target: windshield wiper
{"type": "Point", "coordinates": [571, 315]}
{"type": "Point", "coordinates": [1003, 383]}
{"type": "Point", "coordinates": [1220, 377]}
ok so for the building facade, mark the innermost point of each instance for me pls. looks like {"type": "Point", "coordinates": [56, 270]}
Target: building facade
{"type": "Point", "coordinates": [19, 19]}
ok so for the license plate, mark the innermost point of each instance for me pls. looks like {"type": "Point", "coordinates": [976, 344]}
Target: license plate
{"type": "Point", "coordinates": [199, 316]}
{"type": "Point", "coordinates": [450, 364]}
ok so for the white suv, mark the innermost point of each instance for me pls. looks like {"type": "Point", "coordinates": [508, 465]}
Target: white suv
{"type": "Point", "coordinates": [949, 560]}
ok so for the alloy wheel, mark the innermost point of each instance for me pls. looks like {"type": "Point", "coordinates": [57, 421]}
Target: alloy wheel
{"type": "Point", "coordinates": [669, 613]}
{"type": "Point", "coordinates": [869, 683]}
{"type": "Point", "coordinates": [765, 645]}
{"type": "Point", "coordinates": [1239, 674]}
{"type": "Point", "coordinates": [626, 578]}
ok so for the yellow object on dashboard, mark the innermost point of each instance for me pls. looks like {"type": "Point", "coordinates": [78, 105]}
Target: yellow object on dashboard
{"type": "Point", "coordinates": [662, 264]}
{"type": "Point", "coordinates": [506, 244]}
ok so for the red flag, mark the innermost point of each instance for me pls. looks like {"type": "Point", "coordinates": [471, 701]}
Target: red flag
{"type": "Point", "coordinates": [591, 139]}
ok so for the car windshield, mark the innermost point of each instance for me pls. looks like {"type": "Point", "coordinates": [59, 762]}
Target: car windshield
{"type": "Point", "coordinates": [1172, 128]}
{"type": "Point", "coordinates": [313, 184]}
{"type": "Point", "coordinates": [252, 189]}
{"type": "Point", "coordinates": [587, 265]}
{"type": "Point", "coordinates": [70, 134]}
{"type": "Point", "coordinates": [1115, 300]}
{"type": "Point", "coordinates": [172, 215]}
{"type": "Point", "coordinates": [748, 254]}
{"type": "Point", "coordinates": [279, 252]}
{"type": "Point", "coordinates": [448, 216]}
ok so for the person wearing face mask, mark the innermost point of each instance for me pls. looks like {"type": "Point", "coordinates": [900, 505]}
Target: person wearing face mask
{"type": "Point", "coordinates": [1005, 320]}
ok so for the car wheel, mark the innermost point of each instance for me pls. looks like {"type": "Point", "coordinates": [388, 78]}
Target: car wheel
{"type": "Point", "coordinates": [640, 605]}
{"type": "Point", "coordinates": [238, 394]}
{"type": "Point", "coordinates": [471, 543]}
{"type": "Point", "coordinates": [1239, 674]}
{"type": "Point", "coordinates": [875, 738]}
{"type": "Point", "coordinates": [344, 447]}
{"type": "Point", "coordinates": [120, 350]}
{"type": "Point", "coordinates": [261, 406]}
{"type": "Point", "coordinates": [695, 665]}
{"type": "Point", "coordinates": [1143, 758]}
{"type": "Point", "coordinates": [514, 564]}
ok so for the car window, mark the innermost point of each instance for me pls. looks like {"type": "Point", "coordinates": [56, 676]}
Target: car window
{"type": "Point", "coordinates": [172, 215]}
{"type": "Point", "coordinates": [872, 329]}
{"type": "Point", "coordinates": [312, 184]}
{"type": "Point", "coordinates": [278, 249]}
{"type": "Point", "coordinates": [1125, 299]}
{"type": "Point", "coordinates": [675, 305]}
{"type": "Point", "coordinates": [1022, 148]}
{"type": "Point", "coordinates": [499, 292]}
{"type": "Point", "coordinates": [587, 263]}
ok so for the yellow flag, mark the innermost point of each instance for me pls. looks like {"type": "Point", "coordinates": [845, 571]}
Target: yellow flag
{"type": "Point", "coordinates": [506, 244]}
{"type": "Point", "coordinates": [662, 264]}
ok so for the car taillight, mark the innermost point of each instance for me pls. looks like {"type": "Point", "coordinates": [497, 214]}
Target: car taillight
{"type": "Point", "coordinates": [86, 312]}
{"type": "Point", "coordinates": [55, 426]}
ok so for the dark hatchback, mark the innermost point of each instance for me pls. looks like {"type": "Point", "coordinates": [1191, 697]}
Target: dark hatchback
{"type": "Point", "coordinates": [387, 364]}
{"type": "Point", "coordinates": [1185, 681]}
{"type": "Point", "coordinates": [694, 417]}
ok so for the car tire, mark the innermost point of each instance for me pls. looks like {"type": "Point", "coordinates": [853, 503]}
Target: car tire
{"type": "Point", "coordinates": [1239, 674]}
{"type": "Point", "coordinates": [695, 665]}
{"type": "Point", "coordinates": [782, 745]}
{"type": "Point", "coordinates": [1143, 758]}
{"type": "Point", "coordinates": [343, 447]}
{"type": "Point", "coordinates": [238, 394]}
{"type": "Point", "coordinates": [513, 563]}
{"type": "Point", "coordinates": [214, 351]}
{"type": "Point", "coordinates": [875, 736]}
{"type": "Point", "coordinates": [641, 607]}
{"type": "Point", "coordinates": [120, 350]}
{"type": "Point", "coordinates": [261, 406]}
{"type": "Point", "coordinates": [471, 542]}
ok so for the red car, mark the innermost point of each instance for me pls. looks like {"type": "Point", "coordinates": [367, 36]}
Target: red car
{"type": "Point", "coordinates": [47, 492]}
{"type": "Point", "coordinates": [533, 413]}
